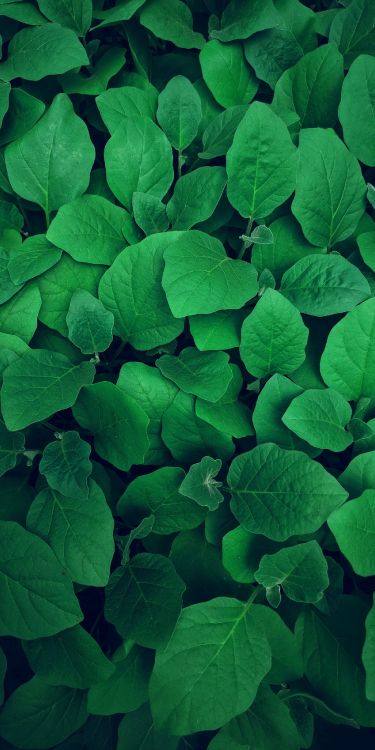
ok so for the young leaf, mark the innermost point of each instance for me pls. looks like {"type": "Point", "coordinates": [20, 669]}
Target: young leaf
{"type": "Point", "coordinates": [150, 213]}
{"type": "Point", "coordinates": [204, 374]}
{"type": "Point", "coordinates": [51, 163]}
{"type": "Point", "coordinates": [38, 600]}
{"type": "Point", "coordinates": [199, 277]}
{"type": "Point", "coordinates": [152, 591]}
{"type": "Point", "coordinates": [195, 196]}
{"type": "Point", "coordinates": [79, 529]}
{"type": "Point", "coordinates": [65, 464]}
{"type": "Point", "coordinates": [90, 325]}
{"type": "Point", "coordinates": [320, 417]}
{"type": "Point", "coordinates": [200, 484]}
{"type": "Point", "coordinates": [273, 336]}
{"type": "Point", "coordinates": [38, 384]}
{"type": "Point", "coordinates": [353, 527]}
{"type": "Point", "coordinates": [261, 163]}
{"type": "Point", "coordinates": [179, 112]}
{"type": "Point", "coordinates": [281, 493]}
{"type": "Point", "coordinates": [224, 638]}
{"type": "Point", "coordinates": [300, 570]}
{"type": "Point", "coordinates": [227, 74]}
{"type": "Point", "coordinates": [42, 51]}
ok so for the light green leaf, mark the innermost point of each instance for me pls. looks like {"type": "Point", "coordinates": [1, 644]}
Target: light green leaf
{"type": "Point", "coordinates": [11, 446]}
{"type": "Point", "coordinates": [348, 360]}
{"type": "Point", "coordinates": [38, 384]}
{"type": "Point", "coordinates": [158, 494]}
{"type": "Point", "coordinates": [320, 417]}
{"type": "Point", "coordinates": [366, 244]}
{"type": "Point", "coordinates": [4, 99]}
{"type": "Point", "coordinates": [24, 111]}
{"type": "Point", "coordinates": [353, 30]}
{"type": "Point", "coordinates": [65, 464]}
{"type": "Point", "coordinates": [71, 658]}
{"type": "Point", "coordinates": [359, 475]}
{"type": "Point", "coordinates": [273, 336]}
{"type": "Point", "coordinates": [281, 493]}
{"type": "Point", "coordinates": [289, 246]}
{"type": "Point", "coordinates": [200, 484]}
{"type": "Point", "coordinates": [112, 417]}
{"type": "Point", "coordinates": [132, 290]}
{"type": "Point", "coordinates": [312, 88]}
{"type": "Point", "coordinates": [35, 256]}
{"type": "Point", "coordinates": [324, 285]}
{"type": "Point", "coordinates": [39, 716]}
{"type": "Point", "coordinates": [243, 18]}
{"type": "Point", "coordinates": [356, 110]}
{"type": "Point", "coordinates": [330, 199]}
{"type": "Point", "coordinates": [226, 73]}
{"type": "Point", "coordinates": [126, 689]}
{"type": "Point", "coordinates": [90, 325]}
{"type": "Point", "coordinates": [179, 112]}
{"type": "Point", "coordinates": [204, 374]}
{"type": "Point", "coordinates": [91, 229]}
{"type": "Point", "coordinates": [79, 529]}
{"type": "Point", "coordinates": [150, 213]}
{"type": "Point", "coordinates": [368, 654]}
{"type": "Point", "coordinates": [75, 14]}
{"type": "Point", "coordinates": [242, 552]}
{"type": "Point", "coordinates": [116, 104]}
{"type": "Point", "coordinates": [300, 570]}
{"type": "Point", "coordinates": [171, 20]}
{"type": "Point", "coordinates": [138, 157]}
{"type": "Point", "coordinates": [220, 330]}
{"type": "Point", "coordinates": [353, 527]}
{"type": "Point", "coordinates": [51, 163]}
{"type": "Point", "coordinates": [37, 599]}
{"type": "Point", "coordinates": [219, 133]}
{"type": "Point", "coordinates": [195, 196]}
{"type": "Point", "coordinates": [261, 163]}
{"type": "Point", "coordinates": [19, 316]}
{"type": "Point", "coordinates": [218, 636]}
{"type": "Point", "coordinates": [228, 414]}
{"type": "Point", "coordinates": [42, 51]}
{"type": "Point", "coordinates": [200, 278]}
{"type": "Point", "coordinates": [152, 591]}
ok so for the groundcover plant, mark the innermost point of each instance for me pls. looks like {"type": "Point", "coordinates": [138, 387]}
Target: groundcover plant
{"type": "Point", "coordinates": [187, 367]}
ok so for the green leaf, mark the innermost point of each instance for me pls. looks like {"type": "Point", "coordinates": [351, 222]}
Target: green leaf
{"type": "Point", "coordinates": [11, 446]}
{"type": "Point", "coordinates": [24, 111]}
{"type": "Point", "coordinates": [190, 438]}
{"type": "Point", "coordinates": [71, 658]}
{"type": "Point", "coordinates": [359, 475]}
{"type": "Point", "coordinates": [35, 256]}
{"type": "Point", "coordinates": [91, 229]}
{"type": "Point", "coordinates": [39, 716]}
{"type": "Point", "coordinates": [281, 493]}
{"type": "Point", "coordinates": [137, 730]}
{"type": "Point", "coordinates": [4, 99]}
{"type": "Point", "coordinates": [79, 529]}
{"type": "Point", "coordinates": [42, 51]}
{"type": "Point", "coordinates": [171, 20]}
{"type": "Point", "coordinates": [200, 278]}
{"type": "Point", "coordinates": [268, 724]}
{"type": "Point", "coordinates": [195, 196]}
{"type": "Point", "coordinates": [51, 163]}
{"type": "Point", "coordinates": [75, 14]}
{"type": "Point", "coordinates": [243, 18]}
{"type": "Point", "coordinates": [122, 11]}
{"type": "Point", "coordinates": [242, 552]}
{"type": "Point", "coordinates": [366, 244]}
{"type": "Point", "coordinates": [324, 285]}
{"type": "Point", "coordinates": [142, 316]}
{"type": "Point", "coordinates": [228, 414]}
{"type": "Point", "coordinates": [158, 494]}
{"type": "Point", "coordinates": [261, 163]}
{"type": "Point", "coordinates": [111, 416]}
{"type": "Point", "coordinates": [356, 110]}
{"type": "Point", "coordinates": [19, 315]}
{"type": "Point", "coordinates": [90, 325]}
{"type": "Point", "coordinates": [368, 654]}
{"type": "Point", "coordinates": [227, 74]}
{"type": "Point", "coordinates": [330, 199]}
{"type": "Point", "coordinates": [38, 599]}
{"type": "Point", "coordinates": [218, 636]}
{"type": "Point", "coordinates": [200, 484]}
{"type": "Point", "coordinates": [152, 591]}
{"type": "Point", "coordinates": [150, 213]}
{"type": "Point", "coordinates": [65, 464]}
{"type": "Point", "coordinates": [3, 669]}
{"type": "Point", "coordinates": [220, 330]}
{"type": "Point", "coordinates": [273, 336]}
{"type": "Point", "coordinates": [143, 530]}
{"type": "Point", "coordinates": [119, 103]}
{"type": "Point", "coordinates": [312, 88]}
{"type": "Point", "coordinates": [57, 285]}
{"type": "Point", "coordinates": [353, 527]}
{"type": "Point", "coordinates": [204, 374]}
{"type": "Point", "coordinates": [219, 133]}
{"type": "Point", "coordinates": [348, 360]}
{"type": "Point", "coordinates": [353, 30]}
{"type": "Point", "coordinates": [289, 246]}
{"type": "Point", "coordinates": [126, 689]}
{"type": "Point", "coordinates": [38, 384]}
{"type": "Point", "coordinates": [179, 112]}
{"type": "Point", "coordinates": [320, 417]}
{"type": "Point", "coordinates": [24, 12]}
{"type": "Point", "coordinates": [154, 394]}
{"type": "Point", "coordinates": [141, 151]}
{"type": "Point", "coordinates": [301, 570]}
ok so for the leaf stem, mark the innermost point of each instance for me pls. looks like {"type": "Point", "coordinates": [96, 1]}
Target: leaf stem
{"type": "Point", "coordinates": [247, 232]}
{"type": "Point", "coordinates": [253, 596]}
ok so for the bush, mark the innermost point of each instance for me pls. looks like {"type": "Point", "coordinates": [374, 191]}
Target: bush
{"type": "Point", "coordinates": [187, 365]}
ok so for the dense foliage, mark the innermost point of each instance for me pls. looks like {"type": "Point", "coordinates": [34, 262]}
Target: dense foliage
{"type": "Point", "coordinates": [187, 366]}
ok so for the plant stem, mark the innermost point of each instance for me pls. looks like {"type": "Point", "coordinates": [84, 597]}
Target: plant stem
{"type": "Point", "coordinates": [247, 232]}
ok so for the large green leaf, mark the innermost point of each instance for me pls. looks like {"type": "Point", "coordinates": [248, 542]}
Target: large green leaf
{"type": "Point", "coordinates": [281, 493]}
{"type": "Point", "coordinates": [319, 417]}
{"type": "Point", "coordinates": [353, 527]}
{"type": "Point", "coordinates": [37, 599]}
{"type": "Point", "coordinates": [356, 109]}
{"type": "Point", "coordinates": [116, 104]}
{"type": "Point", "coordinates": [261, 163]}
{"type": "Point", "coordinates": [359, 475]}
{"type": "Point", "coordinates": [75, 14]}
{"type": "Point", "coordinates": [353, 30]}
{"type": "Point", "coordinates": [226, 73]}
{"type": "Point", "coordinates": [42, 51]}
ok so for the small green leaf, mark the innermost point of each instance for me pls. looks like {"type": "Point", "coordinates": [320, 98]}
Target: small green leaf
{"type": "Point", "coordinates": [366, 244]}
{"type": "Point", "coordinates": [90, 325]}
{"type": "Point", "coordinates": [226, 73]}
{"type": "Point", "coordinates": [179, 112]}
{"type": "Point", "coordinates": [300, 570]}
{"type": "Point", "coordinates": [200, 484]}
{"type": "Point", "coordinates": [122, 102]}
{"type": "Point", "coordinates": [35, 256]}
{"type": "Point", "coordinates": [42, 51]}
{"type": "Point", "coordinates": [65, 464]}
{"type": "Point", "coordinates": [11, 446]}
{"type": "Point", "coordinates": [320, 417]}
{"type": "Point", "coordinates": [204, 374]}
{"type": "Point", "coordinates": [171, 20]}
{"type": "Point", "coordinates": [126, 689]}
{"type": "Point", "coordinates": [353, 527]}
{"type": "Point", "coordinates": [74, 14]}
{"type": "Point", "coordinates": [195, 196]}
{"type": "Point", "coordinates": [228, 414]}
{"type": "Point", "coordinates": [150, 213]}
{"type": "Point", "coordinates": [243, 18]}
